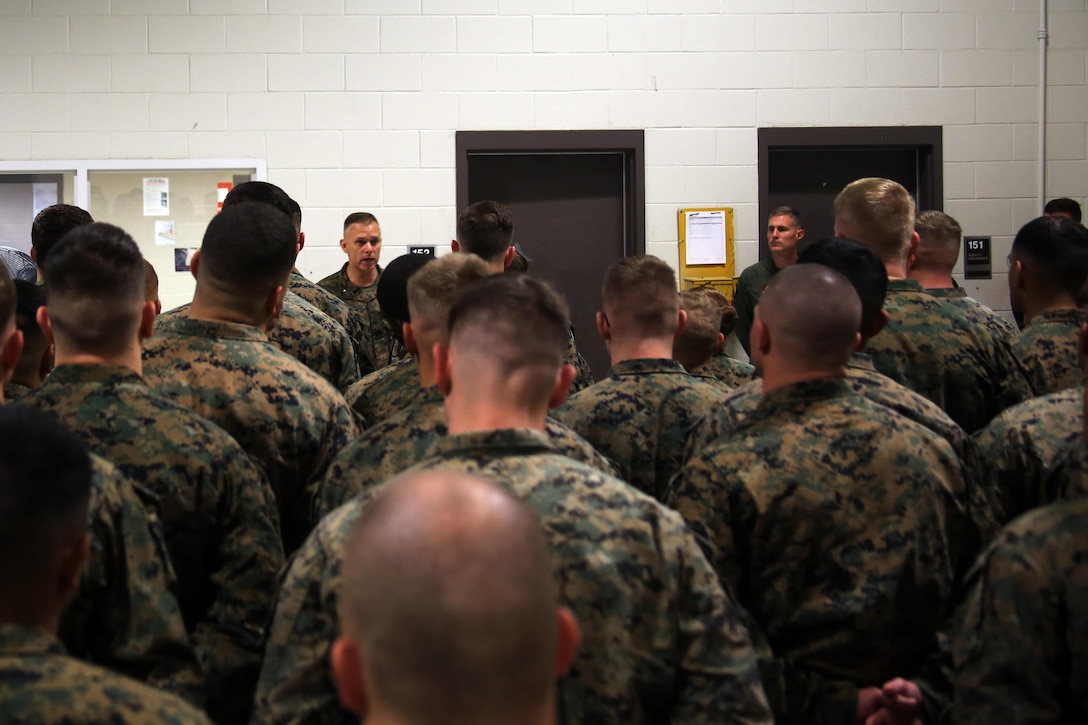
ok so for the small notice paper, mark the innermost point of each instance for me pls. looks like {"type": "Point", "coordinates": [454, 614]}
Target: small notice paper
{"type": "Point", "coordinates": [157, 196]}
{"type": "Point", "coordinates": [164, 233]}
{"type": "Point", "coordinates": [704, 236]}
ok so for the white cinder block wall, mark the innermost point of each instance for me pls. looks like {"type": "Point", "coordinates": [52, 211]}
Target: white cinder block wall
{"type": "Point", "coordinates": [354, 103]}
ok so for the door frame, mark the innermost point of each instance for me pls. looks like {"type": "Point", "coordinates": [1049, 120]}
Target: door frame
{"type": "Point", "coordinates": [629, 142]}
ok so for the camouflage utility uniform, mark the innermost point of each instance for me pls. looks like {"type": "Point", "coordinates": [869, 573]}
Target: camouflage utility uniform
{"type": "Point", "coordinates": [402, 440]}
{"type": "Point", "coordinates": [281, 412]}
{"type": "Point", "coordinates": [378, 343]}
{"type": "Point", "coordinates": [661, 641]}
{"type": "Point", "coordinates": [641, 417]}
{"type": "Point", "coordinates": [1047, 348]}
{"type": "Point", "coordinates": [976, 312]}
{"type": "Point", "coordinates": [931, 347]}
{"type": "Point", "coordinates": [338, 310]}
{"type": "Point", "coordinates": [1021, 647]}
{"type": "Point", "coordinates": [733, 373]}
{"type": "Point", "coordinates": [217, 511]}
{"type": "Point", "coordinates": [838, 525]}
{"type": "Point", "coordinates": [385, 392]}
{"type": "Point", "coordinates": [40, 684]}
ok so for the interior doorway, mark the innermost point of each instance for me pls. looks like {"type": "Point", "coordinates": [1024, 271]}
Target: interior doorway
{"type": "Point", "coordinates": [578, 200]}
{"type": "Point", "coordinates": [806, 168]}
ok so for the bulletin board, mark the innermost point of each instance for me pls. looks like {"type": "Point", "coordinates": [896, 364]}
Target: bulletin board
{"type": "Point", "coordinates": [707, 248]}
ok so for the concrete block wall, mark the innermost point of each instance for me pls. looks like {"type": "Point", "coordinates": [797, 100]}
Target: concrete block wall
{"type": "Point", "coordinates": [354, 103]}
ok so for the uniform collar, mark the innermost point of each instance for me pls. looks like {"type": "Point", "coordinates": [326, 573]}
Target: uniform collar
{"type": "Point", "coordinates": [210, 328]}
{"type": "Point", "coordinates": [803, 394]}
{"type": "Point", "coordinates": [645, 366]}
{"type": "Point", "coordinates": [493, 443]}
{"type": "Point", "coordinates": [16, 639]}
{"type": "Point", "coordinates": [1058, 317]}
{"type": "Point", "coordinates": [900, 285]}
{"type": "Point", "coordinates": [104, 374]}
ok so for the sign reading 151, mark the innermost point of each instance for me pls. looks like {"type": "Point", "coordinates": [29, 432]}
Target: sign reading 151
{"type": "Point", "coordinates": [976, 244]}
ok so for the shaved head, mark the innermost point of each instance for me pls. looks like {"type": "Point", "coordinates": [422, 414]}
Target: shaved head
{"type": "Point", "coordinates": [448, 591]}
{"type": "Point", "coordinates": [812, 314]}
{"type": "Point", "coordinates": [640, 298]}
{"type": "Point", "coordinates": [880, 214]}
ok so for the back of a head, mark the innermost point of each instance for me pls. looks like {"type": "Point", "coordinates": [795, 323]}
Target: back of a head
{"type": "Point", "coordinates": [880, 214]}
{"type": "Point", "coordinates": [485, 229]}
{"type": "Point", "coordinates": [939, 238]}
{"type": "Point", "coordinates": [517, 324]}
{"type": "Point", "coordinates": [864, 270]}
{"type": "Point", "coordinates": [640, 299]}
{"type": "Point", "coordinates": [728, 311]}
{"type": "Point", "coordinates": [52, 223]}
{"type": "Point", "coordinates": [448, 591]}
{"type": "Point", "coordinates": [392, 290]}
{"type": "Point", "coordinates": [813, 315]}
{"type": "Point", "coordinates": [94, 287]}
{"type": "Point", "coordinates": [151, 283]}
{"type": "Point", "coordinates": [45, 489]}
{"type": "Point", "coordinates": [518, 265]}
{"type": "Point", "coordinates": [1058, 248]}
{"type": "Point", "coordinates": [262, 192]}
{"type": "Point", "coordinates": [8, 300]}
{"type": "Point", "coordinates": [701, 334]}
{"type": "Point", "coordinates": [247, 251]}
{"type": "Point", "coordinates": [1068, 208]}
{"type": "Point", "coordinates": [434, 287]}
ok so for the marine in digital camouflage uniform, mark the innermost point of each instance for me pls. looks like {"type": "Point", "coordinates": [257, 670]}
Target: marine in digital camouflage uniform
{"type": "Point", "coordinates": [377, 345]}
{"type": "Point", "coordinates": [1021, 448]}
{"type": "Point", "coordinates": [280, 412]}
{"type": "Point", "coordinates": [850, 573]}
{"type": "Point", "coordinates": [309, 336]}
{"type": "Point", "coordinates": [398, 442]}
{"type": "Point", "coordinates": [643, 414]}
{"type": "Point", "coordinates": [976, 312]}
{"type": "Point", "coordinates": [703, 335]}
{"type": "Point", "coordinates": [39, 683]}
{"type": "Point", "coordinates": [385, 392]}
{"type": "Point", "coordinates": [1047, 348]}
{"type": "Point", "coordinates": [1021, 645]}
{"type": "Point", "coordinates": [338, 310]}
{"type": "Point", "coordinates": [217, 511]}
{"type": "Point", "coordinates": [732, 373]}
{"type": "Point", "coordinates": [695, 662]}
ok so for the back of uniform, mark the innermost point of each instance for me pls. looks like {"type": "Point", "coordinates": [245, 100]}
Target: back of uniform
{"type": "Point", "coordinates": [1047, 348]}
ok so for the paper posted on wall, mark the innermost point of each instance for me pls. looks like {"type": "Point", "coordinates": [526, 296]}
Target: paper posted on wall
{"type": "Point", "coordinates": [164, 233]}
{"type": "Point", "coordinates": [704, 234]}
{"type": "Point", "coordinates": [157, 196]}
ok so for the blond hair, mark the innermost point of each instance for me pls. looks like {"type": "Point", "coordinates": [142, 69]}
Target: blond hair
{"type": "Point", "coordinates": [881, 214]}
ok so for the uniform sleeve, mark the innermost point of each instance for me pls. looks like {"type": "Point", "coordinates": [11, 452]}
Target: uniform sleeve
{"type": "Point", "coordinates": [295, 685]}
{"type": "Point", "coordinates": [348, 364]}
{"type": "Point", "coordinates": [245, 565]}
{"type": "Point", "coordinates": [126, 616]}
{"type": "Point", "coordinates": [719, 678]}
{"type": "Point", "coordinates": [1008, 640]}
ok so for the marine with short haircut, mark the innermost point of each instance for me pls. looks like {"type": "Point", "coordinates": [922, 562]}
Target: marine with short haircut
{"type": "Point", "coordinates": [851, 571]}
{"type": "Point", "coordinates": [701, 339]}
{"type": "Point", "coordinates": [36, 360]}
{"type": "Point", "coordinates": [927, 345]}
{"type": "Point", "coordinates": [486, 229]}
{"type": "Point", "coordinates": [643, 414]}
{"type": "Point", "coordinates": [663, 642]}
{"type": "Point", "coordinates": [46, 485]}
{"type": "Point", "coordinates": [1064, 207]}
{"type": "Point", "coordinates": [218, 360]}
{"type": "Point", "coordinates": [387, 391]}
{"type": "Point", "coordinates": [932, 262]}
{"type": "Point", "coordinates": [1048, 267]}
{"type": "Point", "coordinates": [356, 284]}
{"type": "Point", "coordinates": [50, 225]}
{"type": "Point", "coordinates": [785, 229]}
{"type": "Point", "coordinates": [217, 509]}
{"type": "Point", "coordinates": [302, 289]}
{"type": "Point", "coordinates": [125, 616]}
{"type": "Point", "coordinates": [400, 440]}
{"type": "Point", "coordinates": [151, 286]}
{"type": "Point", "coordinates": [449, 611]}
{"type": "Point", "coordinates": [729, 371]}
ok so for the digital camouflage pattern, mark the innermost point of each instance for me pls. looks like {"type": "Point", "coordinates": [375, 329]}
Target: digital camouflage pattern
{"type": "Point", "coordinates": [1021, 647]}
{"type": "Point", "coordinates": [378, 343]}
{"type": "Point", "coordinates": [14, 391]}
{"type": "Point", "coordinates": [661, 641]}
{"type": "Point", "coordinates": [839, 526]}
{"type": "Point", "coordinates": [335, 308]}
{"type": "Point", "coordinates": [1068, 480]}
{"type": "Point", "coordinates": [1047, 349]}
{"type": "Point", "coordinates": [402, 440]}
{"type": "Point", "coordinates": [749, 289]}
{"type": "Point", "coordinates": [641, 417]}
{"type": "Point", "coordinates": [733, 373]}
{"type": "Point", "coordinates": [308, 335]}
{"type": "Point", "coordinates": [1022, 446]}
{"type": "Point", "coordinates": [864, 380]}
{"type": "Point", "coordinates": [933, 349]}
{"type": "Point", "coordinates": [976, 312]}
{"type": "Point", "coordinates": [583, 374]}
{"type": "Point", "coordinates": [40, 684]}
{"type": "Point", "coordinates": [126, 616]}
{"type": "Point", "coordinates": [385, 392]}
{"type": "Point", "coordinates": [708, 378]}
{"type": "Point", "coordinates": [216, 507]}
{"type": "Point", "coordinates": [280, 412]}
